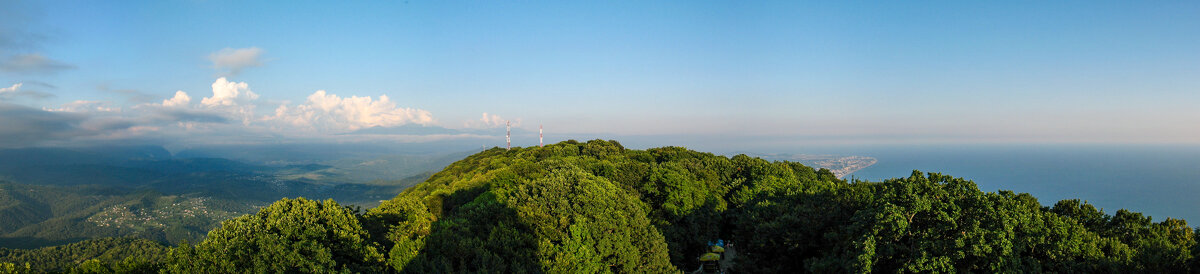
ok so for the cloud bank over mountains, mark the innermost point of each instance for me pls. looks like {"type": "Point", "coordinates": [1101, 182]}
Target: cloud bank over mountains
{"type": "Point", "coordinates": [324, 111]}
{"type": "Point", "coordinates": [231, 114]}
{"type": "Point", "coordinates": [490, 121]}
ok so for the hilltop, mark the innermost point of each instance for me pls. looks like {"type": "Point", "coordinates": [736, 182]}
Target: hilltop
{"type": "Point", "coordinates": [598, 207]}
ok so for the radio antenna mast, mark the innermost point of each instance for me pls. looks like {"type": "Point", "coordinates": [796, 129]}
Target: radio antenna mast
{"type": "Point", "coordinates": [508, 134]}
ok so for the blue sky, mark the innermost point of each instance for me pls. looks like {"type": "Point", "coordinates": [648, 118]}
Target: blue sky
{"type": "Point", "coordinates": [834, 72]}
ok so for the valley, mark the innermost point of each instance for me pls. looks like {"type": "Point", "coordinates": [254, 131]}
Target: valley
{"type": "Point", "coordinates": [54, 196]}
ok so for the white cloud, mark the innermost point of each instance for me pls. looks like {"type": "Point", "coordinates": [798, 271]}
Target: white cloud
{"type": "Point", "coordinates": [490, 121]}
{"type": "Point", "coordinates": [13, 88]}
{"type": "Point", "coordinates": [178, 109]}
{"type": "Point", "coordinates": [16, 90]}
{"type": "Point", "coordinates": [232, 97]}
{"type": "Point", "coordinates": [85, 106]}
{"type": "Point", "coordinates": [322, 116]}
{"type": "Point", "coordinates": [226, 93]}
{"type": "Point", "coordinates": [231, 61]}
{"type": "Point", "coordinates": [181, 99]}
{"type": "Point", "coordinates": [325, 111]}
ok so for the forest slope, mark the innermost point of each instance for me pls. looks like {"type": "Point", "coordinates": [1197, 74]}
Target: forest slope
{"type": "Point", "coordinates": [598, 207]}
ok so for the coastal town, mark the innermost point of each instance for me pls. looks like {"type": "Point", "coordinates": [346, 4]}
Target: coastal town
{"type": "Point", "coordinates": [839, 165]}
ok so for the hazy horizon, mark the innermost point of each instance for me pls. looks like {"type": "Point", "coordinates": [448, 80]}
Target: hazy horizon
{"type": "Point", "coordinates": [217, 136]}
{"type": "Point", "coordinates": [845, 73]}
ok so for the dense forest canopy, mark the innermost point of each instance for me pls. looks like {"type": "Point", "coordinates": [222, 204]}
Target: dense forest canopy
{"type": "Point", "coordinates": [57, 196]}
{"type": "Point", "coordinates": [598, 207]}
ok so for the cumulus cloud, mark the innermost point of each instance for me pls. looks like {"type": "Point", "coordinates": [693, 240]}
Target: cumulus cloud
{"type": "Point", "coordinates": [32, 63]}
{"type": "Point", "coordinates": [230, 61]}
{"type": "Point", "coordinates": [324, 111]}
{"type": "Point", "coordinates": [181, 99]}
{"type": "Point", "coordinates": [234, 98]}
{"type": "Point", "coordinates": [323, 116]}
{"type": "Point", "coordinates": [179, 109]}
{"type": "Point", "coordinates": [490, 121]}
{"type": "Point", "coordinates": [226, 93]}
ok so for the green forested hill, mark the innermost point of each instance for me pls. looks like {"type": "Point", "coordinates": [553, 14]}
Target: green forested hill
{"type": "Point", "coordinates": [598, 207]}
{"type": "Point", "coordinates": [53, 196]}
{"type": "Point", "coordinates": [36, 216]}
{"type": "Point", "coordinates": [122, 254]}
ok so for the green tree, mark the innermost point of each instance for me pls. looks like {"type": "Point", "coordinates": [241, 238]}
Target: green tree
{"type": "Point", "coordinates": [599, 207]}
{"type": "Point", "coordinates": [287, 236]}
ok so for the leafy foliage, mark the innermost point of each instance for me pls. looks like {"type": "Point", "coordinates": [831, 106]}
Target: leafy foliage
{"type": "Point", "coordinates": [288, 236]}
{"type": "Point", "coordinates": [114, 254]}
{"type": "Point", "coordinates": [55, 196]}
{"type": "Point", "coordinates": [598, 207]}
{"type": "Point", "coordinates": [785, 217]}
{"type": "Point", "coordinates": [48, 215]}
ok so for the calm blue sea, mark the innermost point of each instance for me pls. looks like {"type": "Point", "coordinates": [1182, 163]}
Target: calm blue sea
{"type": "Point", "coordinates": [1160, 181]}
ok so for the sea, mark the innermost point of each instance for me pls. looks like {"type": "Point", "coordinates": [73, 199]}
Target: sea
{"type": "Point", "coordinates": [1157, 180]}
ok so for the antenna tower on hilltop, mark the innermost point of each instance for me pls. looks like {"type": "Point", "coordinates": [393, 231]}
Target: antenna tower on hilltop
{"type": "Point", "coordinates": [539, 135]}
{"type": "Point", "coordinates": [508, 134]}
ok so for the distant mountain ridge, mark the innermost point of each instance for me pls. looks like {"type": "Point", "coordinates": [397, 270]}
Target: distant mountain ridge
{"type": "Point", "coordinates": [52, 196]}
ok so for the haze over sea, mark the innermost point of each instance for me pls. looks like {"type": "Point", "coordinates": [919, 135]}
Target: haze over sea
{"type": "Point", "coordinates": [1158, 180]}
